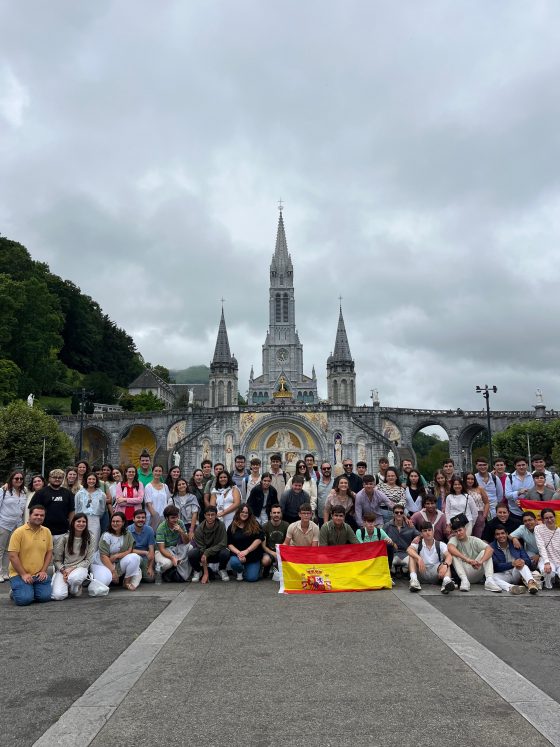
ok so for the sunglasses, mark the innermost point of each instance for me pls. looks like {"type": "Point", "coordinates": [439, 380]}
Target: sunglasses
{"type": "Point", "coordinates": [398, 513]}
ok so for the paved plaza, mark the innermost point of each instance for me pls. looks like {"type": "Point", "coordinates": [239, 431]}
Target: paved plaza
{"type": "Point", "coordinates": [238, 663]}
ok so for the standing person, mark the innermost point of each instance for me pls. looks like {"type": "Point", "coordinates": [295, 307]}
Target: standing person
{"type": "Point", "coordinates": [458, 502]}
{"type": "Point", "coordinates": [116, 478]}
{"type": "Point", "coordinates": [491, 484]}
{"type": "Point", "coordinates": [13, 501]}
{"type": "Point", "coordinates": [540, 490]}
{"type": "Point", "coordinates": [30, 551]}
{"type": "Point", "coordinates": [341, 495]}
{"type": "Point", "coordinates": [275, 532]}
{"type": "Point", "coordinates": [415, 492]}
{"type": "Point", "coordinates": [394, 493]}
{"type": "Point", "coordinates": [245, 537]}
{"type": "Point", "coordinates": [361, 469]}
{"type": "Point", "coordinates": [309, 484]}
{"type": "Point", "coordinates": [240, 471]}
{"type": "Point", "coordinates": [303, 533]}
{"type": "Point", "coordinates": [36, 483]}
{"type": "Point", "coordinates": [58, 503]}
{"type": "Point", "coordinates": [539, 465]}
{"type": "Point", "coordinates": [547, 535]}
{"type": "Point", "coordinates": [369, 500]}
{"type": "Point", "coordinates": [206, 467]}
{"type": "Point", "coordinates": [448, 469]}
{"type": "Point", "coordinates": [262, 498]}
{"type": "Point", "coordinates": [251, 480]}
{"type": "Point", "coordinates": [72, 557]}
{"type": "Point", "coordinates": [196, 487]}
{"type": "Point", "coordinates": [211, 482]}
{"type": "Point", "coordinates": [518, 484]}
{"type": "Point", "coordinates": [500, 472]}
{"type": "Point", "coordinates": [324, 487]}
{"type": "Point", "coordinates": [91, 501]}
{"type": "Point", "coordinates": [383, 465]}
{"type": "Point", "coordinates": [309, 460]}
{"type": "Point", "coordinates": [279, 477]}
{"type": "Point", "coordinates": [336, 531]}
{"type": "Point", "coordinates": [171, 480]}
{"type": "Point", "coordinates": [480, 497]}
{"type": "Point", "coordinates": [187, 503]}
{"type": "Point", "coordinates": [156, 497]}
{"type": "Point", "coordinates": [354, 481]}
{"type": "Point", "coordinates": [172, 545]}
{"type": "Point", "coordinates": [407, 467]}
{"type": "Point", "coordinates": [225, 497]}
{"type": "Point", "coordinates": [293, 499]}
{"type": "Point", "coordinates": [71, 481]}
{"type": "Point", "coordinates": [144, 545]}
{"type": "Point", "coordinates": [130, 494]}
{"type": "Point", "coordinates": [440, 489]}
{"type": "Point", "coordinates": [210, 546]}
{"type": "Point", "coordinates": [83, 470]}
{"type": "Point", "coordinates": [115, 558]}
{"type": "Point", "coordinates": [145, 475]}
{"type": "Point", "coordinates": [472, 557]}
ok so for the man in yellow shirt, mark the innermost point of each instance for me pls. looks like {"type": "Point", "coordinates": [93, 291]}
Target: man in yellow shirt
{"type": "Point", "coordinates": [30, 552]}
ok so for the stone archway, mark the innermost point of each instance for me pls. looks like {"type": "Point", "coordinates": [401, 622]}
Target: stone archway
{"type": "Point", "coordinates": [290, 436]}
{"type": "Point", "coordinates": [135, 438]}
{"type": "Point", "coordinates": [96, 445]}
{"type": "Point", "coordinates": [466, 438]}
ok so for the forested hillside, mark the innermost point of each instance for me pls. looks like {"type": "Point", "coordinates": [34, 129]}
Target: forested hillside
{"type": "Point", "coordinates": [52, 335]}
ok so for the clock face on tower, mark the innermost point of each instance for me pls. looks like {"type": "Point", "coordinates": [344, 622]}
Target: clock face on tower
{"type": "Point", "coordinates": [282, 355]}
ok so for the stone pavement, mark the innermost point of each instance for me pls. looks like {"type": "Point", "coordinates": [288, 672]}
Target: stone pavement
{"type": "Point", "coordinates": [239, 664]}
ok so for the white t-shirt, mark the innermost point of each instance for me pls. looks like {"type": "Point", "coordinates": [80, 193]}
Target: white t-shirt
{"type": "Point", "coordinates": [158, 498]}
{"type": "Point", "coordinates": [429, 555]}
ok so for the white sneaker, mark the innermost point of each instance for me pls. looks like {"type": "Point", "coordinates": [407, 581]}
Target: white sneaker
{"type": "Point", "coordinates": [414, 585]}
{"type": "Point", "coordinates": [2, 579]}
{"type": "Point", "coordinates": [276, 576]}
{"type": "Point", "coordinates": [240, 576]}
{"type": "Point", "coordinates": [517, 589]}
{"type": "Point", "coordinates": [447, 586]}
{"type": "Point", "coordinates": [465, 585]}
{"type": "Point", "coordinates": [75, 591]}
{"type": "Point", "coordinates": [491, 586]}
{"type": "Point", "coordinates": [223, 575]}
{"type": "Point", "coordinates": [196, 577]}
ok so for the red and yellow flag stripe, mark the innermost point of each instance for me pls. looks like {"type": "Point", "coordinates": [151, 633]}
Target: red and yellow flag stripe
{"type": "Point", "coordinates": [319, 570]}
{"type": "Point", "coordinates": [537, 506]}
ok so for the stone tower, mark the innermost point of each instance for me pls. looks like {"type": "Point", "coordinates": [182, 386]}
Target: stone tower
{"type": "Point", "coordinates": [282, 352]}
{"type": "Point", "coordinates": [341, 379]}
{"type": "Point", "coordinates": [223, 371]}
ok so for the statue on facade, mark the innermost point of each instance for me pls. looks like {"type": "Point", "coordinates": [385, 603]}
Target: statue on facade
{"type": "Point", "coordinates": [539, 395]}
{"type": "Point", "coordinates": [191, 396]}
{"type": "Point", "coordinates": [30, 400]}
{"type": "Point", "coordinates": [229, 452]}
{"type": "Point", "coordinates": [176, 459]}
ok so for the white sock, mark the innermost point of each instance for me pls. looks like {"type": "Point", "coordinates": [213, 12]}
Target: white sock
{"type": "Point", "coordinates": [413, 577]}
{"type": "Point", "coordinates": [446, 580]}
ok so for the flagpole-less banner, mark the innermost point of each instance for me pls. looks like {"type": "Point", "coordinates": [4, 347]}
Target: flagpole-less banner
{"type": "Point", "coordinates": [537, 506]}
{"type": "Point", "coordinates": [318, 570]}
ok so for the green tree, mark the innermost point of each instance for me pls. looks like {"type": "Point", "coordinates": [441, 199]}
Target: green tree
{"type": "Point", "coordinates": [10, 375]}
{"type": "Point", "coordinates": [162, 372]}
{"type": "Point", "coordinates": [434, 458]}
{"type": "Point", "coordinates": [513, 441]}
{"type": "Point", "coordinates": [75, 404]}
{"type": "Point", "coordinates": [101, 387]}
{"type": "Point", "coordinates": [22, 430]}
{"type": "Point", "coordinates": [145, 402]}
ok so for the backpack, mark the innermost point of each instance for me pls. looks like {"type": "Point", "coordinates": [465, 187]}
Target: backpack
{"type": "Point", "coordinates": [375, 529]}
{"type": "Point", "coordinates": [438, 548]}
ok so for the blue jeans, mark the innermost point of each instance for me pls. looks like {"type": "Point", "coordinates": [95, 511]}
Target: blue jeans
{"type": "Point", "coordinates": [251, 571]}
{"type": "Point", "coordinates": [24, 594]}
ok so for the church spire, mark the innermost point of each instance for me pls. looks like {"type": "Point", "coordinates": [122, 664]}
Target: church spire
{"type": "Point", "coordinates": [341, 352]}
{"type": "Point", "coordinates": [281, 265]}
{"type": "Point", "coordinates": [221, 352]}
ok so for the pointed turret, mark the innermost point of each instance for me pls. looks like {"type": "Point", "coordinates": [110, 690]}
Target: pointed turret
{"type": "Point", "coordinates": [341, 379]}
{"type": "Point", "coordinates": [221, 351]}
{"type": "Point", "coordinates": [223, 370]}
{"type": "Point", "coordinates": [281, 264]}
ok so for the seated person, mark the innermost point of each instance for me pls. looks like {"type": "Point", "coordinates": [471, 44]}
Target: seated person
{"type": "Point", "coordinates": [172, 541]}
{"type": "Point", "coordinates": [245, 537]}
{"type": "Point", "coordinates": [472, 557]}
{"type": "Point", "coordinates": [430, 513]}
{"type": "Point", "coordinates": [524, 537]}
{"type": "Point", "coordinates": [548, 542]}
{"type": "Point", "coordinates": [293, 499]}
{"type": "Point", "coordinates": [430, 561]}
{"type": "Point", "coordinates": [144, 545]}
{"type": "Point", "coordinates": [402, 535]}
{"type": "Point", "coordinates": [114, 558]}
{"type": "Point", "coordinates": [336, 531]}
{"type": "Point", "coordinates": [504, 518]}
{"type": "Point", "coordinates": [275, 531]}
{"type": "Point", "coordinates": [261, 499]}
{"type": "Point", "coordinates": [303, 533]}
{"type": "Point", "coordinates": [511, 565]}
{"type": "Point", "coordinates": [30, 551]}
{"type": "Point", "coordinates": [211, 547]}
{"type": "Point", "coordinates": [540, 491]}
{"type": "Point", "coordinates": [72, 556]}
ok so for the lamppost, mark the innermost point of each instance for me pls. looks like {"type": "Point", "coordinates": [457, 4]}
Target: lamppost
{"type": "Point", "coordinates": [485, 391]}
{"type": "Point", "coordinates": [43, 460]}
{"type": "Point", "coordinates": [82, 406]}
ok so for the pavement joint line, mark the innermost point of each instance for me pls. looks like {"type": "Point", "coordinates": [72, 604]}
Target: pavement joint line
{"type": "Point", "coordinates": [536, 707]}
{"type": "Point", "coordinates": [83, 720]}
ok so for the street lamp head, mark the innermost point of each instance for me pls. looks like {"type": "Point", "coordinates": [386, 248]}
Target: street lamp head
{"type": "Point", "coordinates": [494, 389]}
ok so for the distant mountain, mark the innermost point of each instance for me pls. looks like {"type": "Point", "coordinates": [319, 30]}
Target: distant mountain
{"type": "Point", "coordinates": [191, 375]}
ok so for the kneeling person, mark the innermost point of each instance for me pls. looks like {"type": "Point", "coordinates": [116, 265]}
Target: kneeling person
{"type": "Point", "coordinates": [275, 532]}
{"type": "Point", "coordinates": [336, 531]}
{"type": "Point", "coordinates": [172, 541]}
{"type": "Point", "coordinates": [430, 561]}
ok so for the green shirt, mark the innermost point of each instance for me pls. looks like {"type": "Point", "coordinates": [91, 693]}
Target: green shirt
{"type": "Point", "coordinates": [330, 535]}
{"type": "Point", "coordinates": [167, 536]}
{"type": "Point", "coordinates": [363, 536]}
{"type": "Point", "coordinates": [145, 479]}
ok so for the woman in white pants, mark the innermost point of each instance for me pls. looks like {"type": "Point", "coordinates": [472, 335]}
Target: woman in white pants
{"type": "Point", "coordinates": [115, 558]}
{"type": "Point", "coordinates": [92, 501]}
{"type": "Point", "coordinates": [72, 556]}
{"type": "Point", "coordinates": [547, 536]}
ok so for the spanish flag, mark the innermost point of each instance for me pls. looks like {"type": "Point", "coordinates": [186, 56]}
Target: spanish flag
{"type": "Point", "coordinates": [537, 506]}
{"type": "Point", "coordinates": [317, 570]}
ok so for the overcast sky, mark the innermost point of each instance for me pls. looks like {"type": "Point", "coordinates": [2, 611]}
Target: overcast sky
{"type": "Point", "coordinates": [144, 147]}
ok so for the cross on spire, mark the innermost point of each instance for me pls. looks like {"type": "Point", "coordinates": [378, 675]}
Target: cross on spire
{"type": "Point", "coordinates": [280, 205]}
{"type": "Point", "coordinates": [340, 302]}
{"type": "Point", "coordinates": [222, 301]}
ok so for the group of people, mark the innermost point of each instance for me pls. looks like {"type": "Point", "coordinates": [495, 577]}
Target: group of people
{"type": "Point", "coordinates": [127, 526]}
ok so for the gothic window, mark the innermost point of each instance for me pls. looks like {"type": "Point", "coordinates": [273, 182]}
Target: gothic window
{"type": "Point", "coordinates": [278, 307]}
{"type": "Point", "coordinates": [213, 397]}
{"type": "Point", "coordinates": [229, 393]}
{"type": "Point", "coordinates": [220, 393]}
{"type": "Point", "coordinates": [255, 396]}
{"type": "Point", "coordinates": [343, 392]}
{"type": "Point", "coordinates": [335, 392]}
{"type": "Point", "coordinates": [352, 394]}
{"type": "Point", "coordinates": [285, 310]}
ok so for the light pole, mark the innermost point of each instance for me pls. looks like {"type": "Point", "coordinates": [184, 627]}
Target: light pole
{"type": "Point", "coordinates": [43, 460]}
{"type": "Point", "coordinates": [485, 391]}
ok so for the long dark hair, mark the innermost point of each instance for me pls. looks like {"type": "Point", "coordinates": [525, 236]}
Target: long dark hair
{"type": "Point", "coordinates": [86, 535]}
{"type": "Point", "coordinates": [230, 483]}
{"type": "Point", "coordinates": [11, 480]}
{"type": "Point", "coordinates": [307, 474]}
{"type": "Point", "coordinates": [135, 481]}
{"type": "Point", "coordinates": [121, 516]}
{"type": "Point", "coordinates": [251, 526]}
{"type": "Point", "coordinates": [170, 482]}
{"type": "Point", "coordinates": [420, 485]}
